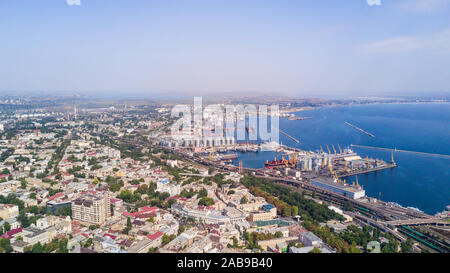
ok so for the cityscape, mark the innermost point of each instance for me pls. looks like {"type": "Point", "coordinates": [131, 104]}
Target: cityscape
{"type": "Point", "coordinates": [225, 127]}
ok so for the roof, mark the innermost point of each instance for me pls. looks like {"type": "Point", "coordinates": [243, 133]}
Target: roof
{"type": "Point", "coordinates": [9, 234]}
{"type": "Point", "coordinates": [155, 235]}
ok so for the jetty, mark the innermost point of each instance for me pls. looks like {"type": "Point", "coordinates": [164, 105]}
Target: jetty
{"type": "Point", "coordinates": [289, 136]}
{"type": "Point", "coordinates": [359, 129]}
{"type": "Point", "coordinates": [397, 150]}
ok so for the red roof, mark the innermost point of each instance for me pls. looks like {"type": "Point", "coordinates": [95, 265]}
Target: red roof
{"type": "Point", "coordinates": [176, 198]}
{"type": "Point", "coordinates": [155, 235]}
{"type": "Point", "coordinates": [110, 236]}
{"type": "Point", "coordinates": [144, 212]}
{"type": "Point", "coordinates": [148, 209]}
{"type": "Point", "coordinates": [115, 200]}
{"type": "Point", "coordinates": [9, 234]}
{"type": "Point", "coordinates": [59, 194]}
{"type": "Point", "coordinates": [4, 175]}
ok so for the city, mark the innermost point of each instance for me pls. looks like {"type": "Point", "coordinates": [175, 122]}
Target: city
{"type": "Point", "coordinates": [109, 179]}
{"type": "Point", "coordinates": [224, 135]}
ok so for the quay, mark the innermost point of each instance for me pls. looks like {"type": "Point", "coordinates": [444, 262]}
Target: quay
{"type": "Point", "coordinates": [387, 166]}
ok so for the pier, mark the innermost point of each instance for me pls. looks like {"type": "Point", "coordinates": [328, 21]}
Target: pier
{"type": "Point", "coordinates": [295, 140]}
{"type": "Point", "coordinates": [379, 168]}
{"type": "Point", "coordinates": [397, 150]}
{"type": "Point", "coordinates": [359, 129]}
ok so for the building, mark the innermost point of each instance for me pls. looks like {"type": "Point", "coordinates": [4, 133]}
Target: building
{"type": "Point", "coordinates": [8, 210]}
{"type": "Point", "coordinates": [268, 212]}
{"type": "Point", "coordinates": [32, 235]}
{"type": "Point", "coordinates": [54, 206]}
{"type": "Point", "coordinates": [345, 190]}
{"type": "Point", "coordinates": [92, 208]}
{"type": "Point", "coordinates": [164, 185]}
{"type": "Point", "coordinates": [309, 239]}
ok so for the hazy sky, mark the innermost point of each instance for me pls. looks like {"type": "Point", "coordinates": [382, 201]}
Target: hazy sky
{"type": "Point", "coordinates": [310, 47]}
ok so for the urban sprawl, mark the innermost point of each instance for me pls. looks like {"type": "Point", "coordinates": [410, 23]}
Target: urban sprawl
{"type": "Point", "coordinates": [88, 177]}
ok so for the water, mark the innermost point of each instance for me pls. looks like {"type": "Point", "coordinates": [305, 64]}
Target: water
{"type": "Point", "coordinates": [420, 181]}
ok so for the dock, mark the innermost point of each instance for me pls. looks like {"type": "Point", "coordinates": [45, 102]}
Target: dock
{"type": "Point", "coordinates": [397, 150]}
{"type": "Point", "coordinates": [359, 129]}
{"type": "Point", "coordinates": [387, 166]}
{"type": "Point", "coordinates": [292, 138]}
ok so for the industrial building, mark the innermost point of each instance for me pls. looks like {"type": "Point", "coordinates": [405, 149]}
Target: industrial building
{"type": "Point", "coordinates": [335, 186]}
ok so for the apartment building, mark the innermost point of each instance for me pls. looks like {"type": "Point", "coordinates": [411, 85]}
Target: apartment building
{"type": "Point", "coordinates": [92, 208]}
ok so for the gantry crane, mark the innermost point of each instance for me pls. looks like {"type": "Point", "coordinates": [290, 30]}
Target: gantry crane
{"type": "Point", "coordinates": [333, 149]}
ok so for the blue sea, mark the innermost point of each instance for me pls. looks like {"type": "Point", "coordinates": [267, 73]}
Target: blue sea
{"type": "Point", "coordinates": [421, 181]}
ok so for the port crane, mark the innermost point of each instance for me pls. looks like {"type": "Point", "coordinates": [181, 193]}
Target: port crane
{"type": "Point", "coordinates": [340, 151]}
{"type": "Point", "coordinates": [211, 154]}
{"type": "Point", "coordinates": [328, 149]}
{"type": "Point", "coordinates": [333, 149]}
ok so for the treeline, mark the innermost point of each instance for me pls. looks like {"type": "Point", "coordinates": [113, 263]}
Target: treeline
{"type": "Point", "coordinates": [287, 201]}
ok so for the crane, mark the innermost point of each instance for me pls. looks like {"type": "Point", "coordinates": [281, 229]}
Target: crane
{"type": "Point", "coordinates": [328, 149]}
{"type": "Point", "coordinates": [340, 151]}
{"type": "Point", "coordinates": [333, 149]}
{"type": "Point", "coordinates": [211, 154]}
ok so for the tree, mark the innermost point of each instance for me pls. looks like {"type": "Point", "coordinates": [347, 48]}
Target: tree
{"type": "Point", "coordinates": [129, 224]}
{"type": "Point", "coordinates": [23, 183]}
{"type": "Point", "coordinates": [406, 247]}
{"type": "Point", "coordinates": [206, 201]}
{"type": "Point", "coordinates": [5, 245]}
{"type": "Point", "coordinates": [6, 227]}
{"type": "Point", "coordinates": [286, 211]}
{"type": "Point", "coordinates": [181, 229]}
{"type": "Point", "coordinates": [88, 243]}
{"type": "Point", "coordinates": [315, 250]}
{"type": "Point", "coordinates": [294, 210]}
{"type": "Point", "coordinates": [202, 193]}
{"type": "Point", "coordinates": [171, 202]}
{"type": "Point", "coordinates": [244, 200]}
{"type": "Point", "coordinates": [37, 248]}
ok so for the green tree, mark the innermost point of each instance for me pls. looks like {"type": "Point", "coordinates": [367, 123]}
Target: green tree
{"type": "Point", "coordinates": [6, 227]}
{"type": "Point", "coordinates": [315, 250]}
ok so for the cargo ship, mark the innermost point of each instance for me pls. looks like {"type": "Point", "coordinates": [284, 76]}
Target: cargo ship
{"type": "Point", "coordinates": [275, 163]}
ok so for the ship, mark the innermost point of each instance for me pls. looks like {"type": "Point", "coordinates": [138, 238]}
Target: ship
{"type": "Point", "coordinates": [275, 163]}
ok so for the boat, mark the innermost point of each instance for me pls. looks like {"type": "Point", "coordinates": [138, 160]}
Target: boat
{"type": "Point", "coordinates": [275, 163]}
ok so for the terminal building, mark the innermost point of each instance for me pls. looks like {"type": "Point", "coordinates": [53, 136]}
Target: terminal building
{"type": "Point", "coordinates": [344, 189]}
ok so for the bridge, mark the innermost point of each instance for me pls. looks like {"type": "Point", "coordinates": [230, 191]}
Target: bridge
{"type": "Point", "coordinates": [417, 222]}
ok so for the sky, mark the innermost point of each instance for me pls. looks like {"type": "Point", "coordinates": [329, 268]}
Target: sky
{"type": "Point", "coordinates": [208, 47]}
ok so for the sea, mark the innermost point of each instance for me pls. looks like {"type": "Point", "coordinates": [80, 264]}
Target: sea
{"type": "Point", "coordinates": [420, 181]}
